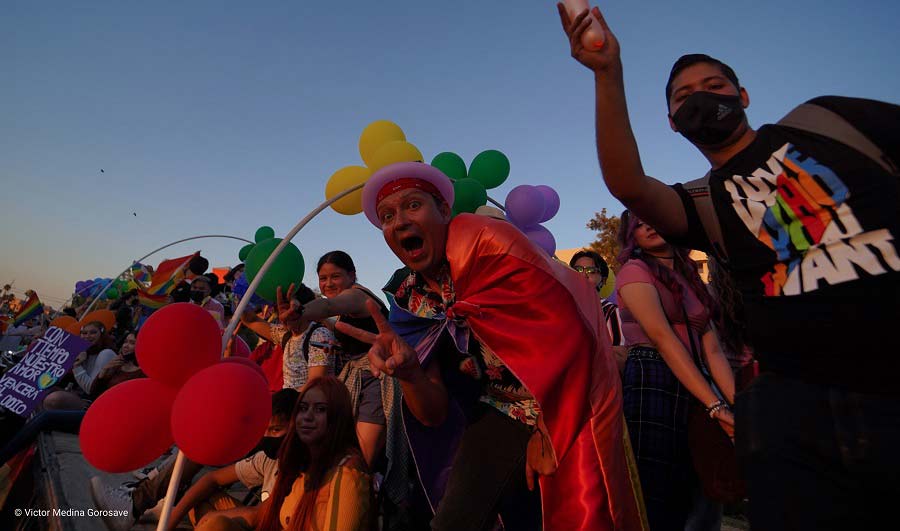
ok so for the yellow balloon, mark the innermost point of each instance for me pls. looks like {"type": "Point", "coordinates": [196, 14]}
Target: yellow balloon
{"type": "Point", "coordinates": [375, 135]}
{"type": "Point", "coordinates": [343, 179]}
{"type": "Point", "coordinates": [396, 151]}
{"type": "Point", "coordinates": [610, 285]}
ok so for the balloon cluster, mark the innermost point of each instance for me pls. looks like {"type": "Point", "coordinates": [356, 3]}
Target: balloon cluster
{"type": "Point", "coordinates": [489, 169]}
{"type": "Point", "coordinates": [527, 207]}
{"type": "Point", "coordinates": [288, 268]}
{"type": "Point", "coordinates": [215, 410]}
{"type": "Point", "coordinates": [381, 143]}
{"type": "Point", "coordinates": [94, 288]}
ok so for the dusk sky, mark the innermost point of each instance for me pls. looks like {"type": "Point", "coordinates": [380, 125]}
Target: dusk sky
{"type": "Point", "coordinates": [220, 117]}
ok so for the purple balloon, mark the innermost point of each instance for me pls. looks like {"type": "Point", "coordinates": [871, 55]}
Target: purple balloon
{"type": "Point", "coordinates": [542, 237]}
{"type": "Point", "coordinates": [524, 206]}
{"type": "Point", "coordinates": [551, 202]}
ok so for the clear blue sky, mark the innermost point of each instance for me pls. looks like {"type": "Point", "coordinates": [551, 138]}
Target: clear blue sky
{"type": "Point", "coordinates": [219, 117]}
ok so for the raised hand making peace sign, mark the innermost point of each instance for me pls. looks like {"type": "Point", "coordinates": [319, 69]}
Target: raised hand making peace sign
{"type": "Point", "coordinates": [389, 354]}
{"type": "Point", "coordinates": [290, 311]}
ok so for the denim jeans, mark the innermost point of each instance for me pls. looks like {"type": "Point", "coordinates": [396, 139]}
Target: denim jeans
{"type": "Point", "coordinates": [488, 478]}
{"type": "Point", "coordinates": [818, 457]}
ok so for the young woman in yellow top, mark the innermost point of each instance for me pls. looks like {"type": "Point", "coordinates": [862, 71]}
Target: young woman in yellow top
{"type": "Point", "coordinates": [323, 484]}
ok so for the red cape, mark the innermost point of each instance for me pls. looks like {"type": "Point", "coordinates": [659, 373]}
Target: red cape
{"type": "Point", "coordinates": [545, 322]}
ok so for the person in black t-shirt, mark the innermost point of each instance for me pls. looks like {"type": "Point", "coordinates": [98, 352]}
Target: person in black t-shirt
{"type": "Point", "coordinates": [809, 226]}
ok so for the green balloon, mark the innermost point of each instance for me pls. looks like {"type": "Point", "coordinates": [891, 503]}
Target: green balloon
{"type": "Point", "coordinates": [469, 194]}
{"type": "Point", "coordinates": [451, 164]}
{"type": "Point", "coordinates": [264, 233]}
{"type": "Point", "coordinates": [286, 270]}
{"type": "Point", "coordinates": [112, 293]}
{"type": "Point", "coordinates": [490, 168]}
{"type": "Point", "coordinates": [245, 252]}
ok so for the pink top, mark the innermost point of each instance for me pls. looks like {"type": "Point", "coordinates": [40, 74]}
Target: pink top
{"type": "Point", "coordinates": [637, 271]}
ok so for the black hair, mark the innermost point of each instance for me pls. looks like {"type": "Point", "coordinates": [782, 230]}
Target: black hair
{"type": "Point", "coordinates": [283, 402]}
{"type": "Point", "coordinates": [338, 258]}
{"type": "Point", "coordinates": [229, 276]}
{"type": "Point", "coordinates": [598, 260]}
{"type": "Point", "coordinates": [304, 294]}
{"type": "Point", "coordinates": [198, 265]}
{"type": "Point", "coordinates": [693, 58]}
{"type": "Point", "coordinates": [68, 310]}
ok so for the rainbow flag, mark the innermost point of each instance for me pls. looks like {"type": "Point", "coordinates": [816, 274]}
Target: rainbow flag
{"type": "Point", "coordinates": [140, 273]}
{"type": "Point", "coordinates": [169, 274]}
{"type": "Point", "coordinates": [32, 307]}
{"type": "Point", "coordinates": [152, 302]}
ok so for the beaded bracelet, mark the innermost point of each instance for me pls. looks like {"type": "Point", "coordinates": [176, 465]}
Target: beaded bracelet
{"type": "Point", "coordinates": [714, 408]}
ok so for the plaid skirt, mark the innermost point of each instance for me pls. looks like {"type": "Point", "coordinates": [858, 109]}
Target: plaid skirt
{"type": "Point", "coordinates": [656, 410]}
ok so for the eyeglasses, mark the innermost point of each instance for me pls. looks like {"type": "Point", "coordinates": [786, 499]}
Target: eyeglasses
{"type": "Point", "coordinates": [587, 270]}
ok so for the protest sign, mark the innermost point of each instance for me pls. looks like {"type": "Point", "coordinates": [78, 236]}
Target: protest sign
{"type": "Point", "coordinates": [47, 360]}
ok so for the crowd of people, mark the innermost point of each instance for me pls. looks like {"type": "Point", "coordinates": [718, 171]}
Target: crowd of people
{"type": "Point", "coordinates": [496, 389]}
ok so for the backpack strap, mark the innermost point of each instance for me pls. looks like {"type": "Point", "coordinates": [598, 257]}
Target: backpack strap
{"type": "Point", "coordinates": [307, 337]}
{"type": "Point", "coordinates": [698, 189]}
{"type": "Point", "coordinates": [816, 119]}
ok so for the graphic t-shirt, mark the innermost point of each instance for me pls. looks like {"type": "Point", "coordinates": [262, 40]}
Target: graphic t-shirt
{"type": "Point", "coordinates": [810, 227]}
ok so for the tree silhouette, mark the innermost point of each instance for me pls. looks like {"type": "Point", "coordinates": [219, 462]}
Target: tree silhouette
{"type": "Point", "coordinates": [605, 242]}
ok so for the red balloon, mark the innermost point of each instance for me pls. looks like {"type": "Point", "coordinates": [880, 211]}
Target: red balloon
{"type": "Point", "coordinates": [221, 413]}
{"type": "Point", "coordinates": [177, 341]}
{"type": "Point", "coordinates": [247, 363]}
{"type": "Point", "coordinates": [128, 426]}
{"type": "Point", "coordinates": [239, 347]}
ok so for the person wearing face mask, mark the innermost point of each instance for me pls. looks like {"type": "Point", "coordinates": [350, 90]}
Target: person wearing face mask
{"type": "Point", "coordinates": [205, 502]}
{"type": "Point", "coordinates": [804, 213]}
{"type": "Point", "coordinates": [323, 482]}
{"type": "Point", "coordinates": [201, 295]}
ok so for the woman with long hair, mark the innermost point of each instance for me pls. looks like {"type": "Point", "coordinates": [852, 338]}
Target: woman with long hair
{"type": "Point", "coordinates": [666, 311]}
{"type": "Point", "coordinates": [323, 483]}
{"type": "Point", "coordinates": [87, 367]}
{"type": "Point", "coordinates": [121, 368]}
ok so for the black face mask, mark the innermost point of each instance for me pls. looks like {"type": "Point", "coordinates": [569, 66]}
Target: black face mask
{"type": "Point", "coordinates": [707, 118]}
{"type": "Point", "coordinates": [270, 446]}
{"type": "Point", "coordinates": [197, 296]}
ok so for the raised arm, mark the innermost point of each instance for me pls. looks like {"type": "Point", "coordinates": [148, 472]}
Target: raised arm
{"type": "Point", "coordinates": [423, 389]}
{"type": "Point", "coordinates": [350, 301]}
{"type": "Point", "coordinates": [260, 327]}
{"type": "Point", "coordinates": [620, 162]}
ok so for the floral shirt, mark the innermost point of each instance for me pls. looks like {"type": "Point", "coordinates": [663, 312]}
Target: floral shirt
{"type": "Point", "coordinates": [295, 365]}
{"type": "Point", "coordinates": [502, 390]}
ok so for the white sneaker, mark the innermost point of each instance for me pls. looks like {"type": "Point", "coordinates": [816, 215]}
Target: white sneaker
{"type": "Point", "coordinates": [113, 499]}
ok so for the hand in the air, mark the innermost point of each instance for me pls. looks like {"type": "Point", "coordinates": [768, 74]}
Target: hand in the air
{"type": "Point", "coordinates": [290, 311]}
{"type": "Point", "coordinates": [601, 60]}
{"type": "Point", "coordinates": [389, 353]}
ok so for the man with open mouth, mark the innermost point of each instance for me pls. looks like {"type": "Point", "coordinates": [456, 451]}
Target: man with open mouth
{"type": "Point", "coordinates": [506, 372]}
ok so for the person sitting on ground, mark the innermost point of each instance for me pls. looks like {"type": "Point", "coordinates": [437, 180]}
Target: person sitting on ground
{"type": "Point", "coordinates": [323, 482]}
{"type": "Point", "coordinates": [121, 368]}
{"type": "Point", "coordinates": [205, 498]}
{"type": "Point", "coordinates": [302, 360]}
{"type": "Point", "coordinates": [88, 365]}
